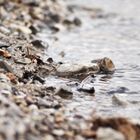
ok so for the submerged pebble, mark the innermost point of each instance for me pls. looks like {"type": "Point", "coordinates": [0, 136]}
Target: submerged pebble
{"type": "Point", "coordinates": [64, 92]}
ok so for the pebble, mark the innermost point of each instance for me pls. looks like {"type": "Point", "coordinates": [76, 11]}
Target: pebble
{"type": "Point", "coordinates": [5, 66]}
{"type": "Point", "coordinates": [49, 137]}
{"type": "Point", "coordinates": [5, 91]}
{"type": "Point", "coordinates": [89, 133]}
{"type": "Point", "coordinates": [77, 21]}
{"type": "Point", "coordinates": [119, 100]}
{"type": "Point", "coordinates": [87, 88]}
{"type": "Point", "coordinates": [69, 69]}
{"type": "Point", "coordinates": [33, 107]}
{"type": "Point", "coordinates": [40, 44]}
{"type": "Point", "coordinates": [23, 29]}
{"type": "Point", "coordinates": [44, 103]}
{"type": "Point", "coordinates": [106, 65]}
{"type": "Point", "coordinates": [5, 87]}
{"type": "Point", "coordinates": [58, 132]}
{"type": "Point", "coordinates": [4, 30]}
{"type": "Point", "coordinates": [109, 134]}
{"type": "Point", "coordinates": [4, 78]}
{"type": "Point", "coordinates": [64, 92]}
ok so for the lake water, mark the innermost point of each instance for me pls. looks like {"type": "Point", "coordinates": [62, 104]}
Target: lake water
{"type": "Point", "coordinates": [114, 34]}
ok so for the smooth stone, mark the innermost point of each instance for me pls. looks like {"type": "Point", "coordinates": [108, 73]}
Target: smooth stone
{"type": "Point", "coordinates": [64, 92]}
{"type": "Point", "coordinates": [87, 89]}
{"type": "Point", "coordinates": [44, 103]}
{"type": "Point", "coordinates": [70, 69]}
{"type": "Point", "coordinates": [4, 30]}
{"type": "Point", "coordinates": [4, 78]}
{"type": "Point", "coordinates": [119, 100]}
{"type": "Point", "coordinates": [33, 107]}
{"type": "Point", "coordinates": [5, 92]}
{"type": "Point", "coordinates": [58, 132]}
{"type": "Point", "coordinates": [5, 66]}
{"type": "Point", "coordinates": [109, 134]}
{"type": "Point", "coordinates": [40, 44]}
{"type": "Point", "coordinates": [106, 65]}
{"type": "Point", "coordinates": [4, 44]}
{"type": "Point", "coordinates": [49, 137]}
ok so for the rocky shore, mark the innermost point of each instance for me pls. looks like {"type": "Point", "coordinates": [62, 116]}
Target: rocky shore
{"type": "Point", "coordinates": [30, 108]}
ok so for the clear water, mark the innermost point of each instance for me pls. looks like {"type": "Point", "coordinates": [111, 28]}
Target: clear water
{"type": "Point", "coordinates": [117, 37]}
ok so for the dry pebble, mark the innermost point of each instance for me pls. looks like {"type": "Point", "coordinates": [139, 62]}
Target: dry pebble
{"type": "Point", "coordinates": [109, 134]}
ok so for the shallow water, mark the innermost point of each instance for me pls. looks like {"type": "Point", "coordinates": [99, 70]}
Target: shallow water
{"type": "Point", "coordinates": [115, 35]}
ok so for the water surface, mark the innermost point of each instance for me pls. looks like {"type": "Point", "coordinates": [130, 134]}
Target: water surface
{"type": "Point", "coordinates": [115, 34]}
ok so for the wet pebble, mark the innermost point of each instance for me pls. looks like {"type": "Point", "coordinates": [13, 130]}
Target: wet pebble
{"type": "Point", "coordinates": [118, 90]}
{"type": "Point", "coordinates": [87, 89]}
{"type": "Point", "coordinates": [72, 70]}
{"type": "Point", "coordinates": [64, 92]}
{"type": "Point", "coordinates": [77, 21]}
{"type": "Point", "coordinates": [105, 64]}
{"type": "Point", "coordinates": [119, 100]}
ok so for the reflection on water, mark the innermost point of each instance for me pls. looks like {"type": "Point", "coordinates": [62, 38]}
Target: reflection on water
{"type": "Point", "coordinates": [115, 37]}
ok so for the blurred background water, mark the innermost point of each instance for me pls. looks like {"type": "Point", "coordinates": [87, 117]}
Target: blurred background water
{"type": "Point", "coordinates": [114, 33]}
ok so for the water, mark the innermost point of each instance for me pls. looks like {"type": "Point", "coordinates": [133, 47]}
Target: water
{"type": "Point", "coordinates": [116, 36]}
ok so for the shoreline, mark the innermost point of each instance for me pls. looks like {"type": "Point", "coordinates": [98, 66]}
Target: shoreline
{"type": "Point", "coordinates": [30, 109]}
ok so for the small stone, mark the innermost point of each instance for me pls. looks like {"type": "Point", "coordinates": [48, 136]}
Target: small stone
{"type": "Point", "coordinates": [5, 66]}
{"type": "Point", "coordinates": [4, 78]}
{"type": "Point", "coordinates": [34, 29]}
{"type": "Point", "coordinates": [89, 133]}
{"type": "Point", "coordinates": [4, 44]}
{"type": "Point", "coordinates": [56, 27]}
{"type": "Point", "coordinates": [109, 134]}
{"type": "Point", "coordinates": [119, 100]}
{"type": "Point", "coordinates": [58, 132]}
{"type": "Point", "coordinates": [50, 60]}
{"type": "Point", "coordinates": [40, 44]}
{"type": "Point", "coordinates": [87, 88]}
{"type": "Point", "coordinates": [12, 77]}
{"type": "Point", "coordinates": [24, 29]}
{"type": "Point", "coordinates": [59, 117]}
{"type": "Point", "coordinates": [5, 53]}
{"type": "Point", "coordinates": [77, 21]}
{"type": "Point", "coordinates": [75, 69]}
{"type": "Point", "coordinates": [31, 2]}
{"type": "Point", "coordinates": [106, 65]}
{"type": "Point", "coordinates": [5, 92]}
{"type": "Point", "coordinates": [3, 29]}
{"type": "Point", "coordinates": [78, 137]}
{"type": "Point", "coordinates": [23, 61]}
{"type": "Point", "coordinates": [62, 53]}
{"type": "Point", "coordinates": [64, 92]}
{"type": "Point", "coordinates": [44, 103]}
{"type": "Point", "coordinates": [49, 137]}
{"type": "Point", "coordinates": [33, 107]}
